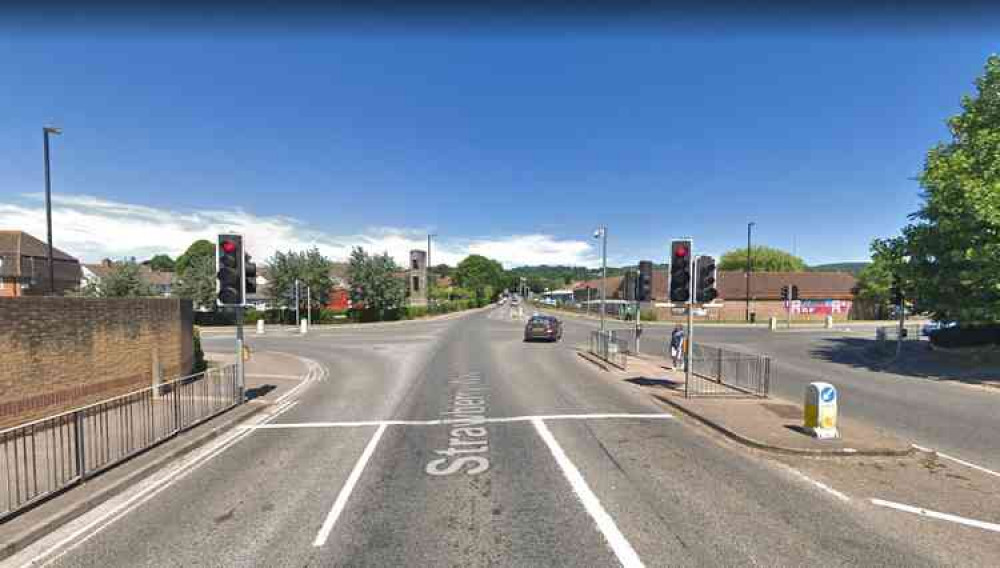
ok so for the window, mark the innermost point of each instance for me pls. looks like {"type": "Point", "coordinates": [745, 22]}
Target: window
{"type": "Point", "coordinates": [416, 265]}
{"type": "Point", "coordinates": [416, 282]}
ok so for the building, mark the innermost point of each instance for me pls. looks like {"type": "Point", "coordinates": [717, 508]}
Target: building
{"type": "Point", "coordinates": [820, 294]}
{"type": "Point", "coordinates": [24, 267]}
{"type": "Point", "coordinates": [417, 278]}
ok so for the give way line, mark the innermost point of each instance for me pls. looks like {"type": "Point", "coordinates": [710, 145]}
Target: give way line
{"type": "Point", "coordinates": [498, 420]}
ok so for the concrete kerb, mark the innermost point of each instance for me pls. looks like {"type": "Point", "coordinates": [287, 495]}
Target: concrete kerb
{"type": "Point", "coordinates": [750, 442]}
{"type": "Point", "coordinates": [60, 518]}
{"type": "Point", "coordinates": [213, 330]}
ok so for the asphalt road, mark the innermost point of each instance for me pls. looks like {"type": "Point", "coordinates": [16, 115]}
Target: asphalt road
{"type": "Point", "coordinates": [536, 473]}
{"type": "Point", "coordinates": [949, 416]}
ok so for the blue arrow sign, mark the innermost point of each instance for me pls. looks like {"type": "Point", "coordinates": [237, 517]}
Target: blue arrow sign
{"type": "Point", "coordinates": [828, 394]}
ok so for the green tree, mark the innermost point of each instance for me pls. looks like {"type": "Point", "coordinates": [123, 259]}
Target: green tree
{"type": "Point", "coordinates": [197, 281]}
{"type": "Point", "coordinates": [954, 238]}
{"type": "Point", "coordinates": [764, 259]}
{"type": "Point", "coordinates": [162, 263]}
{"type": "Point", "coordinates": [375, 282]}
{"type": "Point", "coordinates": [310, 268]}
{"type": "Point", "coordinates": [484, 276]}
{"type": "Point", "coordinates": [122, 280]}
{"type": "Point", "coordinates": [198, 249]}
{"type": "Point", "coordinates": [875, 279]}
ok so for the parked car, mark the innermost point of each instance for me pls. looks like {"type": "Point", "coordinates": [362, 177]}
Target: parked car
{"type": "Point", "coordinates": [543, 327]}
{"type": "Point", "coordinates": [932, 326]}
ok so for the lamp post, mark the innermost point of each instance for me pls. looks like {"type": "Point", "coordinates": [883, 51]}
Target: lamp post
{"type": "Point", "coordinates": [48, 204]}
{"type": "Point", "coordinates": [298, 322]}
{"type": "Point", "coordinates": [749, 266]}
{"type": "Point", "coordinates": [430, 279]}
{"type": "Point", "coordinates": [602, 233]}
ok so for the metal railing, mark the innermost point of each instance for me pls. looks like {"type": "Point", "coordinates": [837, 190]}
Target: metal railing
{"type": "Point", "coordinates": [605, 346]}
{"type": "Point", "coordinates": [625, 337]}
{"type": "Point", "coordinates": [720, 372]}
{"type": "Point", "coordinates": [46, 456]}
{"type": "Point", "coordinates": [887, 337]}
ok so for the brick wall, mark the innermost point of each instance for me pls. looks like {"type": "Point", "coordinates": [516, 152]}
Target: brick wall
{"type": "Point", "coordinates": [736, 311]}
{"type": "Point", "coordinates": [60, 353]}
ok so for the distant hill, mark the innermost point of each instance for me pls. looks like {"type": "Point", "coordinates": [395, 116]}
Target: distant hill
{"type": "Point", "coordinates": [852, 267]}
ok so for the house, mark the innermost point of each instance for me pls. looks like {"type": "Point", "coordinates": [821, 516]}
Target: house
{"type": "Point", "coordinates": [24, 267]}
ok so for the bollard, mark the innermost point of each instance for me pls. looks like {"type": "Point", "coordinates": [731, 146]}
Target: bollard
{"type": "Point", "coordinates": [304, 327]}
{"type": "Point", "coordinates": [829, 322]}
{"type": "Point", "coordinates": [821, 410]}
{"type": "Point", "coordinates": [260, 327]}
{"type": "Point", "coordinates": [772, 323]}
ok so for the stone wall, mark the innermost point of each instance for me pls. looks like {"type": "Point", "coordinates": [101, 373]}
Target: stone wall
{"type": "Point", "coordinates": [61, 353]}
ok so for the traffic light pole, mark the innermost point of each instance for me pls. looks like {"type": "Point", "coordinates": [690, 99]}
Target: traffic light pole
{"type": "Point", "coordinates": [902, 327]}
{"type": "Point", "coordinates": [240, 372]}
{"type": "Point", "coordinates": [690, 322]}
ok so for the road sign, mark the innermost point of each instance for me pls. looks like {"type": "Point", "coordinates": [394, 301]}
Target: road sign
{"type": "Point", "coordinates": [821, 410]}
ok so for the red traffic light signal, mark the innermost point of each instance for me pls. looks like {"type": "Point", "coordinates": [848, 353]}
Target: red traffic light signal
{"type": "Point", "coordinates": [228, 246]}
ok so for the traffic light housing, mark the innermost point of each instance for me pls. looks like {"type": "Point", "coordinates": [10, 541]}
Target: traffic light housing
{"type": "Point", "coordinates": [250, 272]}
{"type": "Point", "coordinates": [795, 292]}
{"type": "Point", "coordinates": [645, 281]}
{"type": "Point", "coordinates": [706, 270]}
{"type": "Point", "coordinates": [628, 285]}
{"type": "Point", "coordinates": [231, 283]}
{"type": "Point", "coordinates": [784, 293]}
{"type": "Point", "coordinates": [680, 271]}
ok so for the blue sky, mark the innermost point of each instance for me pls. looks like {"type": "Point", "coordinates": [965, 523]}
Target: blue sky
{"type": "Point", "coordinates": [514, 143]}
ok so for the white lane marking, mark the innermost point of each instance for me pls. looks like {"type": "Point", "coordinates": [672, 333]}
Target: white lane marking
{"type": "Point", "coordinates": [820, 485]}
{"type": "Point", "coordinates": [316, 372]}
{"type": "Point", "coordinates": [936, 515]}
{"type": "Point", "coordinates": [97, 520]}
{"type": "Point", "coordinates": [619, 545]}
{"type": "Point", "coordinates": [345, 491]}
{"type": "Point", "coordinates": [363, 423]}
{"type": "Point", "coordinates": [269, 376]}
{"type": "Point", "coordinates": [957, 460]}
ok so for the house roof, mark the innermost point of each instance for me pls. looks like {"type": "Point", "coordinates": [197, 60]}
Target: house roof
{"type": "Point", "coordinates": [767, 285]}
{"type": "Point", "coordinates": [23, 244]}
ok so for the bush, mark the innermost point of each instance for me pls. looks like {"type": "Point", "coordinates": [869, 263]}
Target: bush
{"type": "Point", "coordinates": [648, 315]}
{"type": "Point", "coordinates": [198, 364]}
{"type": "Point", "coordinates": [967, 336]}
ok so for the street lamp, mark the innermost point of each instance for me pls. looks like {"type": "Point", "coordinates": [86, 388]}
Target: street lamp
{"type": "Point", "coordinates": [46, 130]}
{"type": "Point", "coordinates": [602, 233]}
{"type": "Point", "coordinates": [749, 267]}
{"type": "Point", "coordinates": [430, 278]}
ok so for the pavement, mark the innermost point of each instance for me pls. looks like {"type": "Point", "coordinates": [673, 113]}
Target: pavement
{"type": "Point", "coordinates": [454, 443]}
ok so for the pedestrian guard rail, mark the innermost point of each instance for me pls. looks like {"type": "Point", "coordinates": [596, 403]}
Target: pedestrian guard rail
{"type": "Point", "coordinates": [604, 345]}
{"type": "Point", "coordinates": [722, 372]}
{"type": "Point", "coordinates": [41, 458]}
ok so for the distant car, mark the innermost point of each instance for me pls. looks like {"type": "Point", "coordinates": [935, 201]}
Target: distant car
{"type": "Point", "coordinates": [932, 326]}
{"type": "Point", "coordinates": [543, 327]}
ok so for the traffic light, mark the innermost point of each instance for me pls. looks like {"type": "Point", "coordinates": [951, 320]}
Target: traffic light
{"type": "Point", "coordinates": [795, 292]}
{"type": "Point", "coordinates": [680, 271]}
{"type": "Point", "coordinates": [250, 270]}
{"type": "Point", "coordinates": [645, 281]}
{"type": "Point", "coordinates": [784, 293]}
{"type": "Point", "coordinates": [705, 285]}
{"type": "Point", "coordinates": [231, 276]}
{"type": "Point", "coordinates": [628, 286]}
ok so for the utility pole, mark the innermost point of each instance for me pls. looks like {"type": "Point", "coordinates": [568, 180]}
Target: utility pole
{"type": "Point", "coordinates": [48, 205]}
{"type": "Point", "coordinates": [749, 266]}
{"type": "Point", "coordinates": [602, 233]}
{"type": "Point", "coordinates": [309, 318]}
{"type": "Point", "coordinates": [430, 279]}
{"type": "Point", "coordinates": [298, 321]}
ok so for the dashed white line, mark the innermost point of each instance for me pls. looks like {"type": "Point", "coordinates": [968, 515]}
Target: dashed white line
{"type": "Point", "coordinates": [820, 485]}
{"type": "Point", "coordinates": [345, 491]}
{"type": "Point", "coordinates": [937, 515]}
{"type": "Point", "coordinates": [961, 461]}
{"type": "Point", "coordinates": [507, 419]}
{"type": "Point", "coordinates": [616, 540]}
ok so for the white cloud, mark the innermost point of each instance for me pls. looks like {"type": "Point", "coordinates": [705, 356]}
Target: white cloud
{"type": "Point", "coordinates": [92, 228]}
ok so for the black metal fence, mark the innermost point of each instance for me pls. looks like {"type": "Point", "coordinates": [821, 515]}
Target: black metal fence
{"type": "Point", "coordinates": [41, 458]}
{"type": "Point", "coordinates": [720, 372]}
{"type": "Point", "coordinates": [604, 345]}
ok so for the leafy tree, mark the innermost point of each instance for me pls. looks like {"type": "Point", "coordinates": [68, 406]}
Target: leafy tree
{"type": "Point", "coordinates": [310, 268]}
{"type": "Point", "coordinates": [121, 281]}
{"type": "Point", "coordinates": [375, 282]}
{"type": "Point", "coordinates": [482, 275]}
{"type": "Point", "coordinates": [197, 281]}
{"type": "Point", "coordinates": [764, 259]}
{"type": "Point", "coordinates": [875, 279]}
{"type": "Point", "coordinates": [198, 249]}
{"type": "Point", "coordinates": [954, 239]}
{"type": "Point", "coordinates": [162, 263]}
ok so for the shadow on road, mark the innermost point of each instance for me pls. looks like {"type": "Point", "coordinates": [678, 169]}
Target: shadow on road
{"type": "Point", "coordinates": [661, 383]}
{"type": "Point", "coordinates": [917, 360]}
{"type": "Point", "coordinates": [259, 391]}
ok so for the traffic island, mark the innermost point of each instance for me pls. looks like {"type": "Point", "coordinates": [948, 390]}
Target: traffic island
{"type": "Point", "coordinates": [770, 424]}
